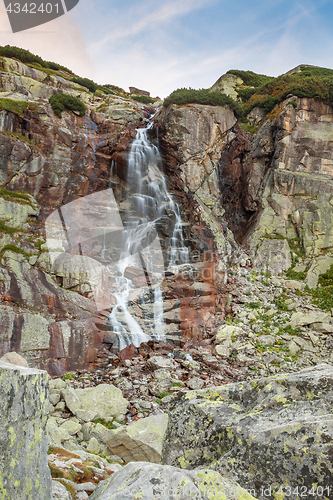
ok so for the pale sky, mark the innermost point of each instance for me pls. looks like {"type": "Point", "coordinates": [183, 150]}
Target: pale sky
{"type": "Point", "coordinates": [164, 45]}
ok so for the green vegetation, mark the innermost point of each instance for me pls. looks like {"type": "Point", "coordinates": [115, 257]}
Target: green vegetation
{"type": "Point", "coordinates": [27, 57]}
{"type": "Point", "coordinates": [293, 275]}
{"type": "Point", "coordinates": [142, 98]}
{"type": "Point", "coordinates": [177, 384]}
{"type": "Point", "coordinates": [60, 102]}
{"type": "Point", "coordinates": [92, 86]}
{"type": "Point", "coordinates": [322, 296]}
{"type": "Point", "coordinates": [292, 331]}
{"type": "Point", "coordinates": [114, 88]}
{"type": "Point", "coordinates": [296, 246]}
{"type": "Point", "coordinates": [264, 91]}
{"type": "Point", "coordinates": [7, 229]}
{"type": "Point", "coordinates": [203, 96]}
{"type": "Point", "coordinates": [85, 82]}
{"type": "Point", "coordinates": [55, 472]}
{"type": "Point", "coordinates": [249, 128]}
{"type": "Point", "coordinates": [252, 305]}
{"type": "Point", "coordinates": [280, 303]}
{"type": "Point", "coordinates": [17, 107]}
{"type": "Point", "coordinates": [228, 320]}
{"type": "Point", "coordinates": [49, 67]}
{"type": "Point", "coordinates": [15, 197]}
{"type": "Point", "coordinates": [108, 425]}
{"type": "Point", "coordinates": [311, 82]}
{"type": "Point", "coordinates": [292, 103]}
{"type": "Point", "coordinates": [14, 249]}
{"type": "Point", "coordinates": [68, 376]}
{"type": "Point", "coordinates": [250, 78]}
{"type": "Point", "coordinates": [19, 137]}
{"type": "Point", "coordinates": [163, 394]}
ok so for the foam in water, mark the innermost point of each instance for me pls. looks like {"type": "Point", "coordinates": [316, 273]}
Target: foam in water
{"type": "Point", "coordinates": [153, 205]}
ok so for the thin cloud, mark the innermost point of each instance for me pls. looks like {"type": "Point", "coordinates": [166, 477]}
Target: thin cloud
{"type": "Point", "coordinates": [164, 13]}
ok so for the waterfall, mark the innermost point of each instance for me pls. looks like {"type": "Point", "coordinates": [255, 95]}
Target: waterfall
{"type": "Point", "coordinates": [151, 208]}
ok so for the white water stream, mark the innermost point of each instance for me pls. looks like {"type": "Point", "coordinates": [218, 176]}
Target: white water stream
{"type": "Point", "coordinates": [141, 252]}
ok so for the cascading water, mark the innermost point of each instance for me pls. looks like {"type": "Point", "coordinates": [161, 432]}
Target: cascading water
{"type": "Point", "coordinates": [151, 206]}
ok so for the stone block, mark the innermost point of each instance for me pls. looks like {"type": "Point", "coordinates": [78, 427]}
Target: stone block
{"type": "Point", "coordinates": [24, 473]}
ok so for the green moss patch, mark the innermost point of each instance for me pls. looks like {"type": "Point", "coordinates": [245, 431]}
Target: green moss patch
{"type": "Point", "coordinates": [102, 421]}
{"type": "Point", "coordinates": [14, 249]}
{"type": "Point", "coordinates": [19, 137]}
{"type": "Point", "coordinates": [16, 107]}
{"type": "Point", "coordinates": [6, 229]}
{"type": "Point", "coordinates": [252, 129]}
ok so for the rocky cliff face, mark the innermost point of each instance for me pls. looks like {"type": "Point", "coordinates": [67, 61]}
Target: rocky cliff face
{"type": "Point", "coordinates": [272, 189]}
{"type": "Point", "coordinates": [259, 199]}
{"type": "Point", "coordinates": [53, 161]}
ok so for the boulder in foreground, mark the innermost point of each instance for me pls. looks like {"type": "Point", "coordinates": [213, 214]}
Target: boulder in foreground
{"type": "Point", "coordinates": [24, 473]}
{"type": "Point", "coordinates": [275, 431]}
{"type": "Point", "coordinates": [145, 481]}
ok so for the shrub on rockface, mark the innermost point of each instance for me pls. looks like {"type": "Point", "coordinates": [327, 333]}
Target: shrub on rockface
{"type": "Point", "coordinates": [27, 57]}
{"type": "Point", "coordinates": [144, 99]}
{"type": "Point", "coordinates": [60, 102]}
{"type": "Point", "coordinates": [202, 96]}
{"type": "Point", "coordinates": [85, 82]}
{"type": "Point", "coordinates": [263, 91]}
{"type": "Point", "coordinates": [310, 82]}
{"type": "Point", "coordinates": [250, 78]}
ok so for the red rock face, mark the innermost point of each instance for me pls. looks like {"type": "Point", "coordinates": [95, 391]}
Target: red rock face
{"type": "Point", "coordinates": [60, 161]}
{"type": "Point", "coordinates": [70, 162]}
{"type": "Point", "coordinates": [233, 175]}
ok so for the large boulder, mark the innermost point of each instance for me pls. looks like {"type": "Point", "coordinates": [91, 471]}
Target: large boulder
{"type": "Point", "coordinates": [105, 400]}
{"type": "Point", "coordinates": [150, 481]}
{"type": "Point", "coordinates": [24, 474]}
{"type": "Point", "coordinates": [274, 432]}
{"type": "Point", "coordinates": [139, 441]}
